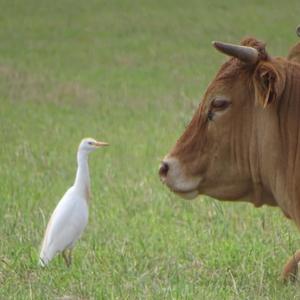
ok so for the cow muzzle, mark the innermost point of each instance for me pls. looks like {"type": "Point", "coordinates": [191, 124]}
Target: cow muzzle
{"type": "Point", "coordinates": [172, 174]}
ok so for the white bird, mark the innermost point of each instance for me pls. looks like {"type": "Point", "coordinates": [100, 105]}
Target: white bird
{"type": "Point", "coordinates": [70, 216]}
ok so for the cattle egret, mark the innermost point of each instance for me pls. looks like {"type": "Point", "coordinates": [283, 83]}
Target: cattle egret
{"type": "Point", "coordinates": [70, 216]}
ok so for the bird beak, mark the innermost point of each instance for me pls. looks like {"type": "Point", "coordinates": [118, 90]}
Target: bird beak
{"type": "Point", "coordinates": [100, 144]}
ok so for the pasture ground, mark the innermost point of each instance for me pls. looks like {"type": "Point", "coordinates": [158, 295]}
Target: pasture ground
{"type": "Point", "coordinates": [130, 73]}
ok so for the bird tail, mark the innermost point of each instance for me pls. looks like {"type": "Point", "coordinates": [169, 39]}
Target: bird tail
{"type": "Point", "coordinates": [46, 254]}
{"type": "Point", "coordinates": [43, 262]}
{"type": "Point", "coordinates": [44, 258]}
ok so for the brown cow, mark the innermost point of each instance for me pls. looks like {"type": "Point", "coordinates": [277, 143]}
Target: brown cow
{"type": "Point", "coordinates": [243, 142]}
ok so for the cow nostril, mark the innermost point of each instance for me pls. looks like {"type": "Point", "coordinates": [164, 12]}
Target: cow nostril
{"type": "Point", "coordinates": [163, 170]}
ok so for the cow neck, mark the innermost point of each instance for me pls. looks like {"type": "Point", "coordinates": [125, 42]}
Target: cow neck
{"type": "Point", "coordinates": [82, 180]}
{"type": "Point", "coordinates": [287, 178]}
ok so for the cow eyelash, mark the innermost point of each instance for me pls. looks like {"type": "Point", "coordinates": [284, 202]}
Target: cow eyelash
{"type": "Point", "coordinates": [217, 104]}
{"type": "Point", "coordinates": [220, 103]}
{"type": "Point", "coordinates": [210, 116]}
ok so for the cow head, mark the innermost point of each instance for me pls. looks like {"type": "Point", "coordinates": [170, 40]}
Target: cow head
{"type": "Point", "coordinates": [213, 156]}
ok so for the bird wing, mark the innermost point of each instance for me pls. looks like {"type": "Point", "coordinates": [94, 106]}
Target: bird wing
{"type": "Point", "coordinates": [66, 224]}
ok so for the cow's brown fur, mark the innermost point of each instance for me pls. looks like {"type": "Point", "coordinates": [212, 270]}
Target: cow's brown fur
{"type": "Point", "coordinates": [251, 151]}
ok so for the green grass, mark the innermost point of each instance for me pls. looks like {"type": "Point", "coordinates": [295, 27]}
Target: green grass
{"type": "Point", "coordinates": [130, 73]}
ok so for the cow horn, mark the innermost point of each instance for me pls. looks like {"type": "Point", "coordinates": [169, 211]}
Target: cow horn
{"type": "Point", "coordinates": [246, 54]}
{"type": "Point", "coordinates": [298, 30]}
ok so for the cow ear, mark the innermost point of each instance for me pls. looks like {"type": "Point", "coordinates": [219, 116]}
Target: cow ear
{"type": "Point", "coordinates": [268, 83]}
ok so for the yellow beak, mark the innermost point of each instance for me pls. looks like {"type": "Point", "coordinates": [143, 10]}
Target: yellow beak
{"type": "Point", "coordinates": [100, 144]}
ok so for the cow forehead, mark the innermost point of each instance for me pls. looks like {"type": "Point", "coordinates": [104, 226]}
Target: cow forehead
{"type": "Point", "coordinates": [230, 73]}
{"type": "Point", "coordinates": [233, 69]}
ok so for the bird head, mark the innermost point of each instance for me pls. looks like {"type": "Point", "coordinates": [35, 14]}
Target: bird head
{"type": "Point", "coordinates": [90, 144]}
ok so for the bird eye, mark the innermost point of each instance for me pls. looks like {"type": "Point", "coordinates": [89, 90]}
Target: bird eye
{"type": "Point", "coordinates": [90, 143]}
{"type": "Point", "coordinates": [220, 103]}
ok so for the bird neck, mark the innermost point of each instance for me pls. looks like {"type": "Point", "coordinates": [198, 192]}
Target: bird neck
{"type": "Point", "coordinates": [82, 180]}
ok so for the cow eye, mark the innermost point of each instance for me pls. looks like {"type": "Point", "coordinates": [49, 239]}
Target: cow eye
{"type": "Point", "coordinates": [220, 103]}
{"type": "Point", "coordinates": [210, 116]}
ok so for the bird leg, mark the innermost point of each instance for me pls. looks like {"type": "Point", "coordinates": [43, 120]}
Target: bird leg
{"type": "Point", "coordinates": [67, 256]}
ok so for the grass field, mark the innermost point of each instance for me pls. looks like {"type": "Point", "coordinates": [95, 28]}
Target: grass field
{"type": "Point", "coordinates": [130, 73]}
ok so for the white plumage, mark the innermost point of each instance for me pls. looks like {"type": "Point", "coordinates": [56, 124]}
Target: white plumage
{"type": "Point", "coordinates": [70, 216]}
